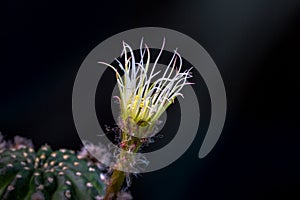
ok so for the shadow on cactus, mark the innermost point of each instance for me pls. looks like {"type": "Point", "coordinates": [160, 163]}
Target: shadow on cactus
{"type": "Point", "coordinates": [47, 174]}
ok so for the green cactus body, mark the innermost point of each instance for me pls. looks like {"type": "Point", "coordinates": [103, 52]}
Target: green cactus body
{"type": "Point", "coordinates": [46, 174]}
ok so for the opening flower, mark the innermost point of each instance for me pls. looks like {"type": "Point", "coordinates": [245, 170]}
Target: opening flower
{"type": "Point", "coordinates": [144, 93]}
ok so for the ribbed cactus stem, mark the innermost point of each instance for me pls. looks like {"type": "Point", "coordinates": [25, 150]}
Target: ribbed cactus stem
{"type": "Point", "coordinates": [48, 175]}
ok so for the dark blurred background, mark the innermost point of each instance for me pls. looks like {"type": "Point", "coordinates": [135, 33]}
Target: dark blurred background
{"type": "Point", "coordinates": [255, 45]}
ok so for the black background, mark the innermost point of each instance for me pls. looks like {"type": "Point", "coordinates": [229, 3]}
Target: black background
{"type": "Point", "coordinates": [255, 45]}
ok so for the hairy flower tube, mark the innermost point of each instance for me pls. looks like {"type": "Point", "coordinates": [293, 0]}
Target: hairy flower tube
{"type": "Point", "coordinates": [144, 95]}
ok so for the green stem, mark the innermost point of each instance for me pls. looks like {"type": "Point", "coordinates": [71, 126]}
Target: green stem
{"type": "Point", "coordinates": [116, 182]}
{"type": "Point", "coordinates": [118, 177]}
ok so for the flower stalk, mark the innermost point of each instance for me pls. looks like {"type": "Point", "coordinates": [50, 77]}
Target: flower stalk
{"type": "Point", "coordinates": [117, 178]}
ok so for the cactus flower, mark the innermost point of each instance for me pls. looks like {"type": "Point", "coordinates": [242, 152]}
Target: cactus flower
{"type": "Point", "coordinates": [144, 93]}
